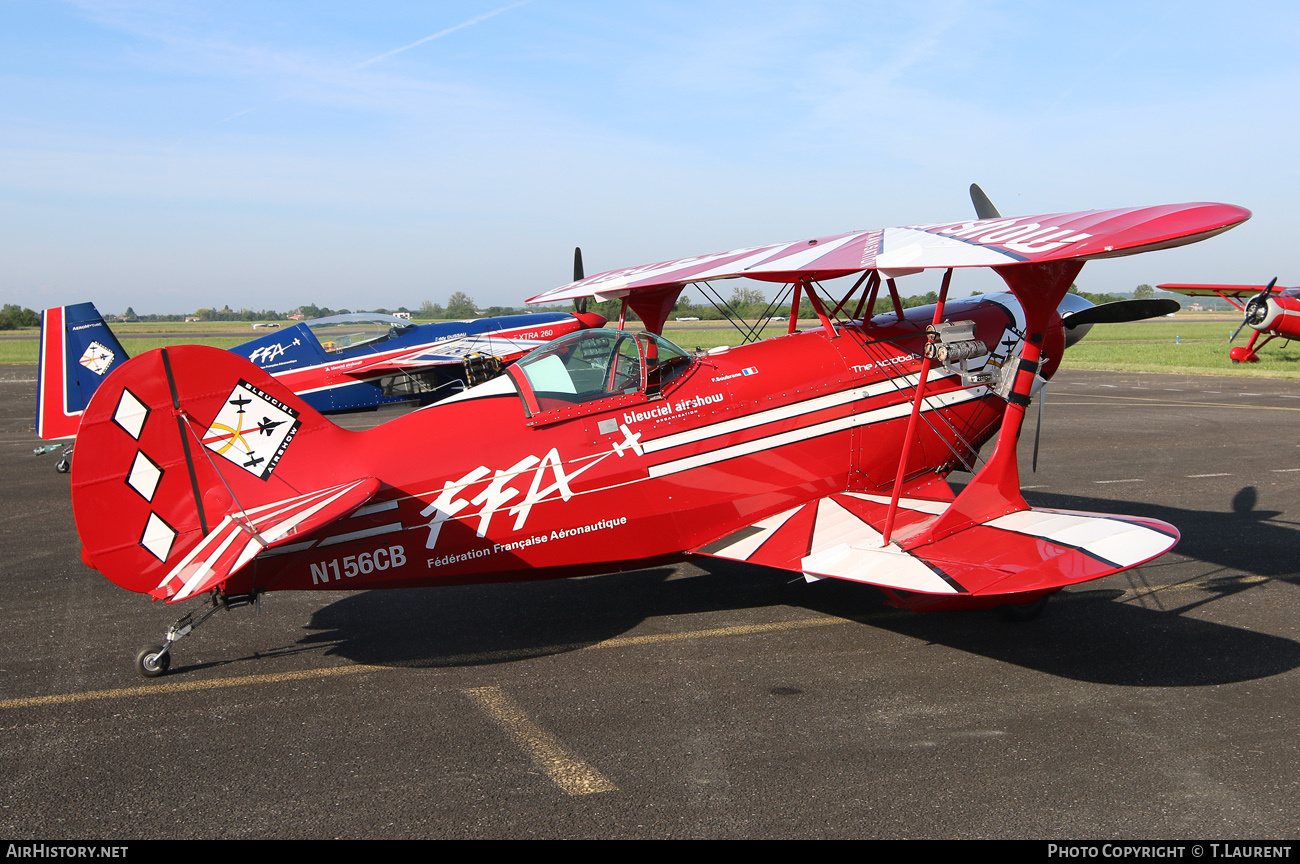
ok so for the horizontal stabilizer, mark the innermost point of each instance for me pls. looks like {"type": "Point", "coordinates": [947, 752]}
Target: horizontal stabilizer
{"type": "Point", "coordinates": [241, 536]}
{"type": "Point", "coordinates": [839, 536]}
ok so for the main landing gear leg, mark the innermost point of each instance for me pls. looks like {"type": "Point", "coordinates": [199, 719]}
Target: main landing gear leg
{"type": "Point", "coordinates": [155, 660]}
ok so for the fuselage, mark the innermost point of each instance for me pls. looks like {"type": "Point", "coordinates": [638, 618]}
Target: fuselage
{"type": "Point", "coordinates": [340, 364]}
{"type": "Point", "coordinates": [525, 478]}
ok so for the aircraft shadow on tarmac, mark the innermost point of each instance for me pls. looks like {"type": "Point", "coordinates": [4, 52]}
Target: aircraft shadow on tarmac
{"type": "Point", "coordinates": [1085, 634]}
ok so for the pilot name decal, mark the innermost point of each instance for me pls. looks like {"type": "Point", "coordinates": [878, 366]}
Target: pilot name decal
{"type": "Point", "coordinates": [669, 409]}
{"type": "Point", "coordinates": [748, 370]}
{"type": "Point", "coordinates": [252, 430]}
{"type": "Point", "coordinates": [497, 493]}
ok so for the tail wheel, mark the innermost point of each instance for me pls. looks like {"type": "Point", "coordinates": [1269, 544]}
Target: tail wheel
{"type": "Point", "coordinates": [153, 661]}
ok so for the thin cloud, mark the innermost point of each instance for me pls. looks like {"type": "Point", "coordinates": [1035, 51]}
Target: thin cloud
{"type": "Point", "coordinates": [461, 26]}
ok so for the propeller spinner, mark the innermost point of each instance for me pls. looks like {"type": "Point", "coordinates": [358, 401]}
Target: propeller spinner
{"type": "Point", "coordinates": [1256, 309]}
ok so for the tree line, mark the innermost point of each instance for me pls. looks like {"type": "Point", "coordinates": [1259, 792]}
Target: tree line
{"type": "Point", "coordinates": [745, 302]}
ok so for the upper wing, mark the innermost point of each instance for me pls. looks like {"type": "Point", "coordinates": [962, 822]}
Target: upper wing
{"type": "Point", "coordinates": [1237, 292]}
{"type": "Point", "coordinates": [974, 243]}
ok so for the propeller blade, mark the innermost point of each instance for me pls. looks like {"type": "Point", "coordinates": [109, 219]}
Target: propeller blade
{"type": "Point", "coordinates": [579, 303]}
{"type": "Point", "coordinates": [984, 208]}
{"type": "Point", "coordinates": [1255, 303]}
{"type": "Point", "coordinates": [1121, 311]}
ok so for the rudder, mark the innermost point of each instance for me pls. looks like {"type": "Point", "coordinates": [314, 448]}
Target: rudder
{"type": "Point", "coordinates": [187, 447]}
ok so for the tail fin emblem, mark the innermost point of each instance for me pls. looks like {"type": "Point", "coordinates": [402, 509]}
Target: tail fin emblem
{"type": "Point", "coordinates": [97, 358]}
{"type": "Point", "coordinates": [258, 446]}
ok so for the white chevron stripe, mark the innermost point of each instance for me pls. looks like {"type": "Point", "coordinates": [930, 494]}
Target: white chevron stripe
{"type": "Point", "coordinates": [792, 436]}
{"type": "Point", "coordinates": [1114, 541]}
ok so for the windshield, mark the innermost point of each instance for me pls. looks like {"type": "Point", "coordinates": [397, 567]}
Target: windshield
{"type": "Point", "coordinates": [595, 364]}
{"type": "Point", "coordinates": [344, 332]}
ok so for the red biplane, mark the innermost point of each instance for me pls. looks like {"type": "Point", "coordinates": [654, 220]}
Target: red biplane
{"type": "Point", "coordinates": [824, 452]}
{"type": "Point", "coordinates": [1270, 310]}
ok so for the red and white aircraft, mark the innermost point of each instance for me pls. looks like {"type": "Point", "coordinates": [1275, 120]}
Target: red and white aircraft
{"type": "Point", "coordinates": [1270, 310]}
{"type": "Point", "coordinates": [824, 452]}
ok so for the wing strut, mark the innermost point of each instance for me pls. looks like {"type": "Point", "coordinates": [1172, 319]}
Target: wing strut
{"type": "Point", "coordinates": [916, 411]}
{"type": "Point", "coordinates": [995, 490]}
{"type": "Point", "coordinates": [893, 295]}
{"type": "Point", "coordinates": [856, 285]}
{"type": "Point", "coordinates": [868, 297]}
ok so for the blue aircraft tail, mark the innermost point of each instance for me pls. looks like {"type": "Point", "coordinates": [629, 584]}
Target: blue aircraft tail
{"type": "Point", "coordinates": [77, 352]}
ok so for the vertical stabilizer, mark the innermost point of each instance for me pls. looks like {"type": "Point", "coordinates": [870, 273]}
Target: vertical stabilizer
{"type": "Point", "coordinates": [77, 352]}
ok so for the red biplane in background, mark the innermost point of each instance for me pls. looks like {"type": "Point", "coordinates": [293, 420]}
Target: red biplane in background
{"type": "Point", "coordinates": [1271, 310]}
{"type": "Point", "coordinates": [824, 452]}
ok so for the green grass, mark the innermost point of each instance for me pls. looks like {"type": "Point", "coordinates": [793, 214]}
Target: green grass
{"type": "Point", "coordinates": [1183, 344]}
{"type": "Point", "coordinates": [27, 351]}
{"type": "Point", "coordinates": [1179, 345]}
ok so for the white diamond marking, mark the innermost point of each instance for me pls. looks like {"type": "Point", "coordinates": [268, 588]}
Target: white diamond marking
{"type": "Point", "coordinates": [144, 476]}
{"type": "Point", "coordinates": [158, 537]}
{"type": "Point", "coordinates": [131, 414]}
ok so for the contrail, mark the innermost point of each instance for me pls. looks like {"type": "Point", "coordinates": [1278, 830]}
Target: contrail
{"type": "Point", "coordinates": [439, 34]}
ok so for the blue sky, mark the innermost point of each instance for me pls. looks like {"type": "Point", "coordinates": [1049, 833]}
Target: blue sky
{"type": "Point", "coordinates": [172, 155]}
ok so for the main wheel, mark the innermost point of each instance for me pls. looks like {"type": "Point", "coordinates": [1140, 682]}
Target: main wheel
{"type": "Point", "coordinates": [153, 660]}
{"type": "Point", "coordinates": [63, 466]}
{"type": "Point", "coordinates": [1023, 611]}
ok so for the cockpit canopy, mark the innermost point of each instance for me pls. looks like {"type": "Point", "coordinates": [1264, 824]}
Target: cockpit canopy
{"type": "Point", "coordinates": [345, 332]}
{"type": "Point", "coordinates": [599, 364]}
